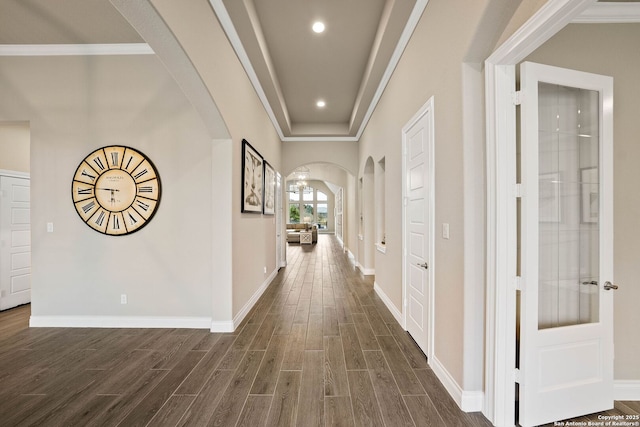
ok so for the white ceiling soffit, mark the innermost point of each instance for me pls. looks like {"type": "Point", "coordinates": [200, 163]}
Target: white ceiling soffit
{"type": "Point", "coordinates": [273, 44]}
{"type": "Point", "coordinates": [610, 13]}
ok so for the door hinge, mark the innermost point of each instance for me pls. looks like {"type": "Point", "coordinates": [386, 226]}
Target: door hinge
{"type": "Point", "coordinates": [516, 375]}
{"type": "Point", "coordinates": [518, 190]}
{"type": "Point", "coordinates": [406, 201]}
{"type": "Point", "coordinates": [518, 283]}
{"type": "Point", "coordinates": [405, 303]}
{"type": "Point", "coordinates": [517, 97]}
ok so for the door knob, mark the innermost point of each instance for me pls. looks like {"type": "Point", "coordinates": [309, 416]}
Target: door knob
{"type": "Point", "coordinates": [425, 265]}
{"type": "Point", "coordinates": [608, 286]}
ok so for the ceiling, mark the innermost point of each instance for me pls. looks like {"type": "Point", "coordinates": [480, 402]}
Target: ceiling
{"type": "Point", "coordinates": [290, 66]}
{"type": "Point", "coordinates": [344, 66]}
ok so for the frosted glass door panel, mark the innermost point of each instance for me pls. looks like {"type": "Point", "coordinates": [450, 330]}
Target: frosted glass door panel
{"type": "Point", "coordinates": [568, 206]}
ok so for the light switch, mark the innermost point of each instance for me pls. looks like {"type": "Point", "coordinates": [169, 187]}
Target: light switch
{"type": "Point", "coordinates": [445, 230]}
{"type": "Point", "coordinates": [49, 227]}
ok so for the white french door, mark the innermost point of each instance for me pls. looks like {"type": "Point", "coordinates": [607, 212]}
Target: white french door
{"type": "Point", "coordinates": [566, 237]}
{"type": "Point", "coordinates": [417, 138]}
{"type": "Point", "coordinates": [15, 242]}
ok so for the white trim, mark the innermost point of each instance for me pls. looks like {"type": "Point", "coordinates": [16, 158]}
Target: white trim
{"type": "Point", "coordinates": [397, 314]}
{"type": "Point", "coordinates": [222, 326]}
{"type": "Point", "coordinates": [234, 39]}
{"type": "Point", "coordinates": [75, 49]}
{"type": "Point", "coordinates": [501, 222]}
{"type": "Point", "coordinates": [500, 299]}
{"type": "Point", "coordinates": [14, 174]}
{"type": "Point", "coordinates": [610, 13]}
{"type": "Point", "coordinates": [366, 271]}
{"type": "Point", "coordinates": [412, 23]}
{"type": "Point", "coordinates": [119, 322]}
{"type": "Point", "coordinates": [468, 401]}
{"type": "Point", "coordinates": [318, 138]}
{"type": "Point", "coordinates": [252, 301]}
{"type": "Point", "coordinates": [350, 254]}
{"type": "Point", "coordinates": [626, 390]}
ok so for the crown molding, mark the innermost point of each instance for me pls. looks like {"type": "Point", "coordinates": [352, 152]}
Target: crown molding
{"type": "Point", "coordinates": [610, 13]}
{"type": "Point", "coordinates": [75, 49]}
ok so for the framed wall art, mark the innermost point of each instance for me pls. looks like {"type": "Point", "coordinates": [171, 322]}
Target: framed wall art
{"type": "Point", "coordinates": [252, 179]}
{"type": "Point", "coordinates": [269, 205]}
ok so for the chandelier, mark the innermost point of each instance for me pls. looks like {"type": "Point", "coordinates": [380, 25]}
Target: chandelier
{"type": "Point", "coordinates": [301, 175]}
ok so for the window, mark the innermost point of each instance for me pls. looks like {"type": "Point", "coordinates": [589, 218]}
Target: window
{"type": "Point", "coordinates": [307, 195]}
{"type": "Point", "coordinates": [322, 215]}
{"type": "Point", "coordinates": [294, 213]}
{"type": "Point", "coordinates": [294, 193]}
{"type": "Point", "coordinates": [308, 206]}
{"type": "Point", "coordinates": [308, 213]}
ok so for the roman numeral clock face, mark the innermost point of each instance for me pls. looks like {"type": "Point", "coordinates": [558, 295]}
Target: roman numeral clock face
{"type": "Point", "coordinates": [116, 190]}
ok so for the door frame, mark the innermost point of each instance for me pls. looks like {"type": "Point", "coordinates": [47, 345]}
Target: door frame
{"type": "Point", "coordinates": [427, 107]}
{"type": "Point", "coordinates": [500, 83]}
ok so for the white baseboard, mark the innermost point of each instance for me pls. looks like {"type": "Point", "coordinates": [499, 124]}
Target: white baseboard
{"type": "Point", "coordinates": [252, 301]}
{"type": "Point", "coordinates": [468, 401]}
{"type": "Point", "coordinates": [222, 326]}
{"type": "Point", "coordinates": [365, 271]}
{"type": "Point", "coordinates": [626, 390]}
{"type": "Point", "coordinates": [119, 322]}
{"type": "Point", "coordinates": [350, 254]}
{"type": "Point", "coordinates": [397, 314]}
{"type": "Point", "coordinates": [151, 321]}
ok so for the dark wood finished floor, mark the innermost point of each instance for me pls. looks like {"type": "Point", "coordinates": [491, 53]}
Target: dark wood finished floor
{"type": "Point", "coordinates": [318, 349]}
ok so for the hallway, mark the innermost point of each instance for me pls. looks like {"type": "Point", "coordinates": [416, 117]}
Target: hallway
{"type": "Point", "coordinates": [319, 348]}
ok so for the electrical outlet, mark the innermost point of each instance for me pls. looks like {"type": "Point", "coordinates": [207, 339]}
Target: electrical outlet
{"type": "Point", "coordinates": [265, 270]}
{"type": "Point", "coordinates": [445, 230]}
{"type": "Point", "coordinates": [123, 299]}
{"type": "Point", "coordinates": [49, 227]}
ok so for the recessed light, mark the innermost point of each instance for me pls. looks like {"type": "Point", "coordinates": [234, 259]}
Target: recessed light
{"type": "Point", "coordinates": [318, 27]}
{"type": "Point", "coordinates": [321, 104]}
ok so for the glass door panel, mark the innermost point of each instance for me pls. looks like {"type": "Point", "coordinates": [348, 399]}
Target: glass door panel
{"type": "Point", "coordinates": [568, 229]}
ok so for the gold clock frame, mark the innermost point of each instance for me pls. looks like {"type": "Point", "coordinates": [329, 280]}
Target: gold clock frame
{"type": "Point", "coordinates": [116, 190]}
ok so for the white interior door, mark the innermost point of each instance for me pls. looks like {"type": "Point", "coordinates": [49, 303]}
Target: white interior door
{"type": "Point", "coordinates": [15, 242]}
{"type": "Point", "coordinates": [418, 227]}
{"type": "Point", "coordinates": [566, 329]}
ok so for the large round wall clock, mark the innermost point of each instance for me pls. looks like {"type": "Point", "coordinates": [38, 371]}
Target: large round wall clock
{"type": "Point", "coordinates": [116, 190]}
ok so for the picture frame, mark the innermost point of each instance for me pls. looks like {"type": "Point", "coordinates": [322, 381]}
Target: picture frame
{"type": "Point", "coordinates": [589, 195]}
{"type": "Point", "coordinates": [269, 197]}
{"type": "Point", "coordinates": [252, 179]}
{"type": "Point", "coordinates": [549, 208]}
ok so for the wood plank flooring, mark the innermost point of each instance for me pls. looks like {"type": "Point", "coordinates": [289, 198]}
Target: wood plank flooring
{"type": "Point", "coordinates": [318, 349]}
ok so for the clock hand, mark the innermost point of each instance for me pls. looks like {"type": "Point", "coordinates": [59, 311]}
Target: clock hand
{"type": "Point", "coordinates": [108, 189]}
